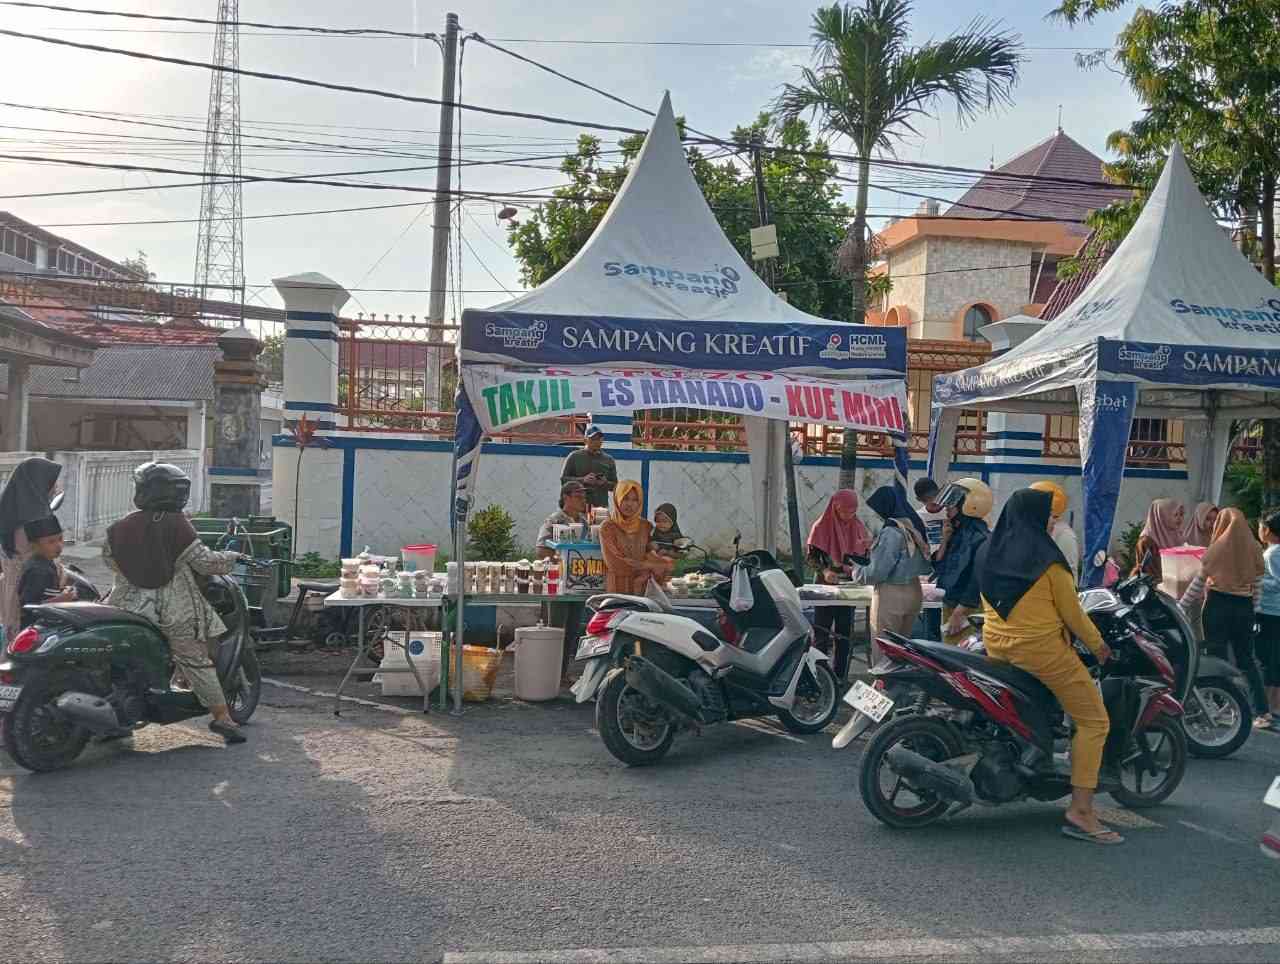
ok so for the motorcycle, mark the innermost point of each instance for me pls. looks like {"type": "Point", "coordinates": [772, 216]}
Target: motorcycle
{"type": "Point", "coordinates": [1217, 716]}
{"type": "Point", "coordinates": [653, 673]}
{"type": "Point", "coordinates": [85, 669]}
{"type": "Point", "coordinates": [954, 728]}
{"type": "Point", "coordinates": [1270, 845]}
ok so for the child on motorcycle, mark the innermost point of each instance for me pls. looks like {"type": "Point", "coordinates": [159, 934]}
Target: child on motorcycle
{"type": "Point", "coordinates": [43, 578]}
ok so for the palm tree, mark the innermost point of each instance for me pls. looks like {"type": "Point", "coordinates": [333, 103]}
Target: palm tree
{"type": "Point", "coordinates": [869, 85]}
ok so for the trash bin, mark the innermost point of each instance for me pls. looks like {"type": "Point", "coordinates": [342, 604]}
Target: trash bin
{"type": "Point", "coordinates": [538, 660]}
{"type": "Point", "coordinates": [264, 537]}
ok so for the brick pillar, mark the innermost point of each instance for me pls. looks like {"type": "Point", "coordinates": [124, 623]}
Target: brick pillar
{"type": "Point", "coordinates": [238, 381]}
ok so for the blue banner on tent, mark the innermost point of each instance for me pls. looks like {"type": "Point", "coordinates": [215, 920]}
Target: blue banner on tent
{"type": "Point", "coordinates": [743, 346]}
{"type": "Point", "coordinates": [1191, 364]}
{"type": "Point", "coordinates": [1106, 415]}
{"type": "Point", "coordinates": [466, 453]}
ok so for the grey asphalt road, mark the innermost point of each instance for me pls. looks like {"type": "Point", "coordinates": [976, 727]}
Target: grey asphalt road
{"type": "Point", "coordinates": [511, 834]}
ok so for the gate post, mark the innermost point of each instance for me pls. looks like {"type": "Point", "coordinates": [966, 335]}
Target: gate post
{"type": "Point", "coordinates": [311, 305]}
{"type": "Point", "coordinates": [235, 486]}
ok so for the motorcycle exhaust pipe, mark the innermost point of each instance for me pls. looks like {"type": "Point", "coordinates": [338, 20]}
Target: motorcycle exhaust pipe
{"type": "Point", "coordinates": [925, 774]}
{"type": "Point", "coordinates": [663, 688]}
{"type": "Point", "coordinates": [92, 712]}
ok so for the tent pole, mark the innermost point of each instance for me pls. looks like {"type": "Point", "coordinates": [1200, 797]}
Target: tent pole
{"type": "Point", "coordinates": [459, 555]}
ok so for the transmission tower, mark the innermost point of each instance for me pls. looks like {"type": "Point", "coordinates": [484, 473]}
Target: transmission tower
{"type": "Point", "coordinates": [220, 245]}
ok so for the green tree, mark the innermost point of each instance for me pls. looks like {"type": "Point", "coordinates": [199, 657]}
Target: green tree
{"type": "Point", "coordinates": [1208, 75]}
{"type": "Point", "coordinates": [870, 85]}
{"type": "Point", "coordinates": [803, 198]}
{"type": "Point", "coordinates": [272, 357]}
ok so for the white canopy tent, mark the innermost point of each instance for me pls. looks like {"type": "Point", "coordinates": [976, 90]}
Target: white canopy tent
{"type": "Point", "coordinates": [659, 310]}
{"type": "Point", "coordinates": [1177, 324]}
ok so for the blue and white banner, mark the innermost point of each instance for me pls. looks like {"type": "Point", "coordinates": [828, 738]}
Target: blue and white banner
{"type": "Point", "coordinates": [468, 436]}
{"type": "Point", "coordinates": [504, 398]}
{"type": "Point", "coordinates": [1106, 415]}
{"type": "Point", "coordinates": [1209, 366]}
{"type": "Point", "coordinates": [516, 338]}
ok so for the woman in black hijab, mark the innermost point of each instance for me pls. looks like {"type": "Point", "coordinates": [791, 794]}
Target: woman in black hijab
{"type": "Point", "coordinates": [1030, 603]}
{"type": "Point", "coordinates": [25, 499]}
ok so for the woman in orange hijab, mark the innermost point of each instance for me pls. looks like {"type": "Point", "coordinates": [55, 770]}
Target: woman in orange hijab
{"type": "Point", "coordinates": [626, 542]}
{"type": "Point", "coordinates": [1231, 571]}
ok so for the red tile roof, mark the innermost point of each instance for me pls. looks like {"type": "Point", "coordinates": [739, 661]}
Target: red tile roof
{"type": "Point", "coordinates": [1070, 289]}
{"type": "Point", "coordinates": [1057, 157]}
{"type": "Point", "coordinates": [73, 320]}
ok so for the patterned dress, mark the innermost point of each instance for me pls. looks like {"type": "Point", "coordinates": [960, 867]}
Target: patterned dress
{"type": "Point", "coordinates": [178, 608]}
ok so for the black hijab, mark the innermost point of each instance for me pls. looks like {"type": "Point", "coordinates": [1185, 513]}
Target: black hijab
{"type": "Point", "coordinates": [672, 534]}
{"type": "Point", "coordinates": [26, 497]}
{"type": "Point", "coordinates": [1019, 551]}
{"type": "Point", "coordinates": [889, 502]}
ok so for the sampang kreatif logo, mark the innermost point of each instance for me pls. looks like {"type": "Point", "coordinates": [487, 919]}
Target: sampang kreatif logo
{"type": "Point", "coordinates": [718, 282]}
{"type": "Point", "coordinates": [860, 346]}
{"type": "Point", "coordinates": [517, 336]}
{"type": "Point", "coordinates": [1146, 361]}
{"type": "Point", "coordinates": [1263, 317]}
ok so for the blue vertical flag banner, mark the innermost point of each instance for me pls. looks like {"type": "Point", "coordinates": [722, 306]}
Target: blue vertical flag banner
{"type": "Point", "coordinates": [466, 457]}
{"type": "Point", "coordinates": [1106, 415]}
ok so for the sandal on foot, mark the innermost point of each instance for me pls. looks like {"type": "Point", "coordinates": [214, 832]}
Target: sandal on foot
{"type": "Point", "coordinates": [229, 732]}
{"type": "Point", "coordinates": [1105, 837]}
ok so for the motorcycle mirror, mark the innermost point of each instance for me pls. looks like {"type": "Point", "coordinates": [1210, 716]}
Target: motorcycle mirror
{"type": "Point", "coordinates": [737, 538]}
{"type": "Point", "coordinates": [56, 502]}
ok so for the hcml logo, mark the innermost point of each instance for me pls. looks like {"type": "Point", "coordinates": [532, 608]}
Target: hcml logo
{"type": "Point", "coordinates": [718, 283]}
{"type": "Point", "coordinates": [860, 346]}
{"type": "Point", "coordinates": [517, 336]}
{"type": "Point", "coordinates": [1147, 361]}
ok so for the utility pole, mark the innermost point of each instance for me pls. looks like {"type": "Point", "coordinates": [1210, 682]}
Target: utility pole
{"type": "Point", "coordinates": [765, 268]}
{"type": "Point", "coordinates": [442, 212]}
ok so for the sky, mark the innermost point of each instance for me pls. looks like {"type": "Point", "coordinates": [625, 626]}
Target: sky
{"type": "Point", "coordinates": [381, 255]}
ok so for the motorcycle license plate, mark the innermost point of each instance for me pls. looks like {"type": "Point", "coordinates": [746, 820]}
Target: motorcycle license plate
{"type": "Point", "coordinates": [868, 701]}
{"type": "Point", "coordinates": [591, 646]}
{"type": "Point", "coordinates": [1272, 799]}
{"type": "Point", "coordinates": [8, 697]}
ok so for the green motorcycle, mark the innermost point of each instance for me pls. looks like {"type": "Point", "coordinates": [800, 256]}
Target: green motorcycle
{"type": "Point", "coordinates": [84, 669]}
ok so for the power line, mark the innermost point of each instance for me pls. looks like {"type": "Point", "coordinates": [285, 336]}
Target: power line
{"type": "Point", "coordinates": [132, 15]}
{"type": "Point", "coordinates": [308, 82]}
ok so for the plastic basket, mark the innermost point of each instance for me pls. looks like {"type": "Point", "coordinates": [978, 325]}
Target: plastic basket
{"type": "Point", "coordinates": [479, 671]}
{"type": "Point", "coordinates": [264, 537]}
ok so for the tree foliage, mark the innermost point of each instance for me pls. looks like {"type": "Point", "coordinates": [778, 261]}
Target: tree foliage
{"type": "Point", "coordinates": [1208, 75]}
{"type": "Point", "coordinates": [799, 182]}
{"type": "Point", "coordinates": [869, 84]}
{"type": "Point", "coordinates": [272, 357]}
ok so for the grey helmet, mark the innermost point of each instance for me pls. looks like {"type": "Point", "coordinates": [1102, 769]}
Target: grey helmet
{"type": "Point", "coordinates": [160, 487]}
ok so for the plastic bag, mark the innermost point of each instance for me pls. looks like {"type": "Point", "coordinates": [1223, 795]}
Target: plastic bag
{"type": "Point", "coordinates": [741, 597]}
{"type": "Point", "coordinates": [656, 594]}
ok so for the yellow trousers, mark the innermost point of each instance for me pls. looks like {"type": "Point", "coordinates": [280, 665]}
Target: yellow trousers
{"type": "Point", "coordinates": [1052, 661]}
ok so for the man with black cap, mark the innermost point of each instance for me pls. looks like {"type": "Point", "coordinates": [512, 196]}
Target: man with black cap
{"type": "Point", "coordinates": [572, 511]}
{"type": "Point", "coordinates": [593, 467]}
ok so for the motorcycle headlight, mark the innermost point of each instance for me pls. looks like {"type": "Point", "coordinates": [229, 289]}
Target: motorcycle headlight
{"type": "Point", "coordinates": [1140, 593]}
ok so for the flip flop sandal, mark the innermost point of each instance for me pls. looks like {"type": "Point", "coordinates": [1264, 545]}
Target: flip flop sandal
{"type": "Point", "coordinates": [1068, 830]}
{"type": "Point", "coordinates": [229, 732]}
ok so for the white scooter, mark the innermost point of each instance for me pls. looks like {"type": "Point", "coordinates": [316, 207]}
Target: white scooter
{"type": "Point", "coordinates": [653, 672]}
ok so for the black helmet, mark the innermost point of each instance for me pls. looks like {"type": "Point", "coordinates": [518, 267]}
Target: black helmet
{"type": "Point", "coordinates": [160, 487]}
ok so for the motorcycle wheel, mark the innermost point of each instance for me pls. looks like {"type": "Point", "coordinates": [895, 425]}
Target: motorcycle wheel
{"type": "Point", "coordinates": [634, 728]}
{"type": "Point", "coordinates": [36, 735]}
{"type": "Point", "coordinates": [924, 735]}
{"type": "Point", "coordinates": [1166, 745]}
{"type": "Point", "coordinates": [816, 703]}
{"type": "Point", "coordinates": [1223, 724]}
{"type": "Point", "coordinates": [244, 700]}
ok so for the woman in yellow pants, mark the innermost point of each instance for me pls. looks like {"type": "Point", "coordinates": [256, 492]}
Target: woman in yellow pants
{"type": "Point", "coordinates": [1030, 604]}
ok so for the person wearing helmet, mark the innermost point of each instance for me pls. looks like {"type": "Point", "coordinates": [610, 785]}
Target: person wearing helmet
{"type": "Point", "coordinates": [966, 502]}
{"type": "Point", "coordinates": [156, 555]}
{"type": "Point", "coordinates": [1063, 535]}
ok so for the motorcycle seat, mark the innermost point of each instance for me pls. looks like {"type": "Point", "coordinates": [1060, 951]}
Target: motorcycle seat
{"type": "Point", "coordinates": [80, 615]}
{"type": "Point", "coordinates": [957, 658]}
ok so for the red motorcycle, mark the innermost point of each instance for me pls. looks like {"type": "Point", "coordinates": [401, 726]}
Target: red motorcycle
{"type": "Point", "coordinates": [955, 728]}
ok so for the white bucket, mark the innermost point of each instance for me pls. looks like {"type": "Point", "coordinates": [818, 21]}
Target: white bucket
{"type": "Point", "coordinates": [424, 651]}
{"type": "Point", "coordinates": [539, 650]}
